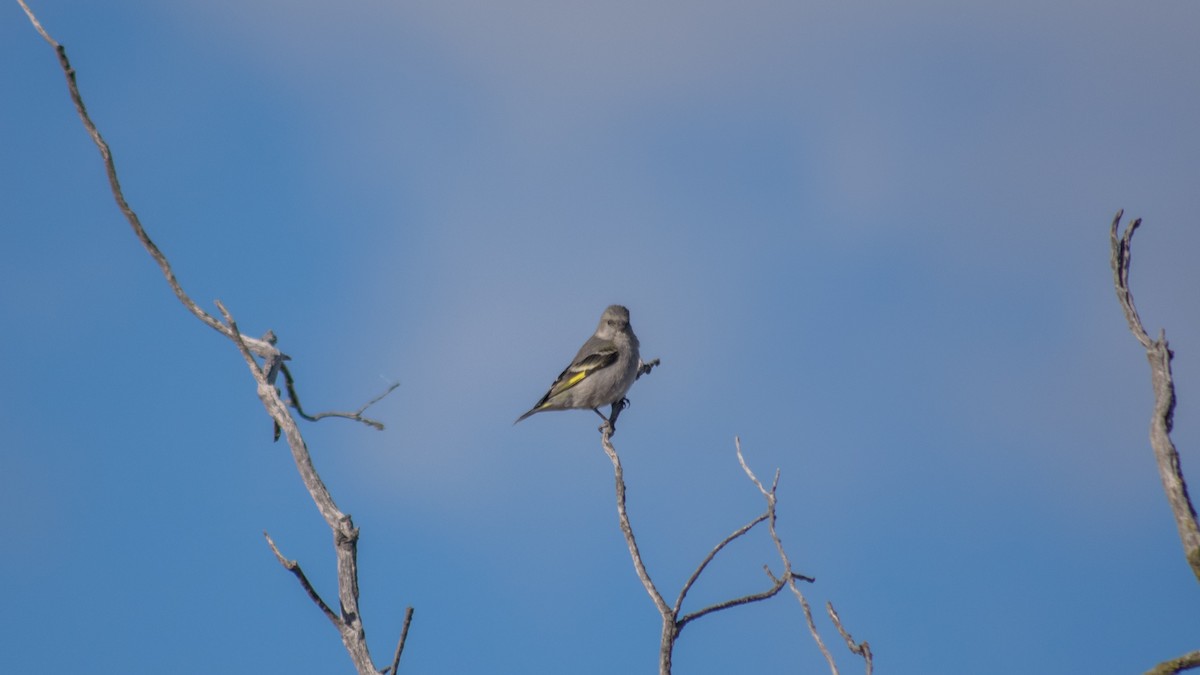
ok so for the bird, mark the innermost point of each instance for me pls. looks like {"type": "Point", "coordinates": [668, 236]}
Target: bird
{"type": "Point", "coordinates": [601, 373]}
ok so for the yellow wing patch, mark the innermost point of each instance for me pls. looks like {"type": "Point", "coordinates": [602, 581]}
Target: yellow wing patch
{"type": "Point", "coordinates": [577, 377]}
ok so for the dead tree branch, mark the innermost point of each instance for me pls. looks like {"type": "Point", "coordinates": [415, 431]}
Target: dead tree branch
{"type": "Point", "coordinates": [712, 554]}
{"type": "Point", "coordinates": [1159, 354]}
{"type": "Point", "coordinates": [357, 415]}
{"type": "Point", "coordinates": [1178, 665]}
{"type": "Point", "coordinates": [644, 367]}
{"type": "Point", "coordinates": [400, 645]}
{"type": "Point", "coordinates": [777, 585]}
{"type": "Point", "coordinates": [627, 529]}
{"type": "Point", "coordinates": [257, 346]}
{"type": "Point", "coordinates": [861, 648]}
{"type": "Point", "coordinates": [347, 621]}
{"type": "Point", "coordinates": [672, 622]}
{"type": "Point", "coordinates": [788, 575]}
{"type": "Point", "coordinates": [294, 567]}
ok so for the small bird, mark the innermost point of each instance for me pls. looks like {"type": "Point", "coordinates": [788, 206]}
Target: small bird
{"type": "Point", "coordinates": [601, 372]}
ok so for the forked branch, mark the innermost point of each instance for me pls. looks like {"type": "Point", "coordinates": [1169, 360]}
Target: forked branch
{"type": "Point", "coordinates": [712, 554]}
{"type": "Point", "coordinates": [672, 622]}
{"type": "Point", "coordinates": [348, 622]}
{"type": "Point", "coordinates": [357, 415]}
{"type": "Point", "coordinates": [861, 648]}
{"type": "Point", "coordinates": [788, 575]}
{"type": "Point", "coordinates": [1159, 354]}
{"type": "Point", "coordinates": [294, 567]}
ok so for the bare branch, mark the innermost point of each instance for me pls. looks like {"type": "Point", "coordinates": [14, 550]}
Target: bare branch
{"type": "Point", "coordinates": [768, 495]}
{"type": "Point", "coordinates": [408, 613]}
{"type": "Point", "coordinates": [712, 554]}
{"type": "Point", "coordinates": [37, 24]}
{"type": "Point", "coordinates": [672, 624]}
{"type": "Point", "coordinates": [345, 534]}
{"type": "Point", "coordinates": [259, 375]}
{"type": "Point", "coordinates": [1159, 354]}
{"type": "Point", "coordinates": [745, 599]}
{"type": "Point", "coordinates": [644, 367]}
{"type": "Point", "coordinates": [861, 648]}
{"type": "Point", "coordinates": [669, 628]}
{"type": "Point", "coordinates": [627, 529]}
{"type": "Point", "coordinates": [788, 574]}
{"type": "Point", "coordinates": [1121, 255]}
{"type": "Point", "coordinates": [294, 567]}
{"type": "Point", "coordinates": [115, 186]}
{"type": "Point", "coordinates": [1177, 665]}
{"type": "Point", "coordinates": [357, 415]}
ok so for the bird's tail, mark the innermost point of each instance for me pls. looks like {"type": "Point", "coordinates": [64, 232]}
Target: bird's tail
{"type": "Point", "coordinates": [534, 409]}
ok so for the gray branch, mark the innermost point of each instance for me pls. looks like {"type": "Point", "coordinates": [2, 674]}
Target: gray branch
{"type": "Point", "coordinates": [294, 567]}
{"type": "Point", "coordinates": [626, 528]}
{"type": "Point", "coordinates": [347, 620]}
{"type": "Point", "coordinates": [357, 415]}
{"type": "Point", "coordinates": [861, 648]}
{"type": "Point", "coordinates": [712, 554]}
{"type": "Point", "coordinates": [777, 585]}
{"type": "Point", "coordinates": [1159, 354]}
{"type": "Point", "coordinates": [644, 367]}
{"type": "Point", "coordinates": [1177, 665]}
{"type": "Point", "coordinates": [788, 575]}
{"type": "Point", "coordinates": [672, 622]}
{"type": "Point", "coordinates": [259, 347]}
{"type": "Point", "coordinates": [408, 613]}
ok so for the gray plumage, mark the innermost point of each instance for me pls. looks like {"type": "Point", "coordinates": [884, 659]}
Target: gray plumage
{"type": "Point", "coordinates": [601, 372]}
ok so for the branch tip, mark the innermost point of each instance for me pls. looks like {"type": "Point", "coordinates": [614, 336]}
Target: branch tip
{"type": "Point", "coordinates": [1162, 418]}
{"type": "Point", "coordinates": [860, 648]}
{"type": "Point", "coordinates": [350, 626]}
{"type": "Point", "coordinates": [408, 615]}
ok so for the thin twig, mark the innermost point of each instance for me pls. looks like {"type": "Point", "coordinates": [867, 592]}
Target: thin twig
{"type": "Point", "coordinates": [1177, 665]}
{"type": "Point", "coordinates": [243, 348]}
{"type": "Point", "coordinates": [861, 648]}
{"type": "Point", "coordinates": [408, 614]}
{"type": "Point", "coordinates": [1159, 354]}
{"type": "Point", "coordinates": [745, 599]}
{"type": "Point", "coordinates": [294, 567]}
{"type": "Point", "coordinates": [257, 346]}
{"type": "Point", "coordinates": [666, 614]}
{"type": "Point", "coordinates": [1121, 256]}
{"type": "Point", "coordinates": [672, 624]}
{"type": "Point", "coordinates": [788, 574]}
{"type": "Point", "coordinates": [357, 415]}
{"type": "Point", "coordinates": [644, 367]}
{"type": "Point", "coordinates": [712, 554]}
{"type": "Point", "coordinates": [345, 534]}
{"type": "Point", "coordinates": [627, 529]}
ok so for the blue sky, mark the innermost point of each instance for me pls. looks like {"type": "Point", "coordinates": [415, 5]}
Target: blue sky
{"type": "Point", "coordinates": [870, 239]}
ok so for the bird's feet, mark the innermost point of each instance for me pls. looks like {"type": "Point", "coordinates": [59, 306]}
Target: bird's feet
{"type": "Point", "coordinates": [610, 423]}
{"type": "Point", "coordinates": [607, 427]}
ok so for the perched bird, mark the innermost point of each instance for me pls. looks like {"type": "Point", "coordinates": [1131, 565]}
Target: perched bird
{"type": "Point", "coordinates": [601, 372]}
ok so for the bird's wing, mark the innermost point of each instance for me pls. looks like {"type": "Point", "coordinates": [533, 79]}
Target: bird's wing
{"type": "Point", "coordinates": [595, 355]}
